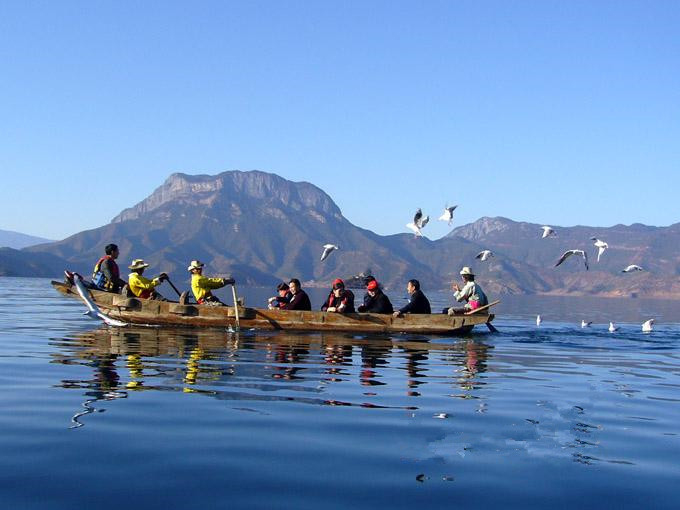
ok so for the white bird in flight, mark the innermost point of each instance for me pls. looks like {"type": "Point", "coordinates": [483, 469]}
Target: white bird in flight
{"type": "Point", "coordinates": [613, 328]}
{"type": "Point", "coordinates": [601, 246]}
{"type": "Point", "coordinates": [585, 324]}
{"type": "Point", "coordinates": [569, 253]}
{"type": "Point", "coordinates": [419, 222]}
{"type": "Point", "coordinates": [538, 320]}
{"type": "Point", "coordinates": [631, 268]}
{"type": "Point", "coordinates": [548, 231]}
{"type": "Point", "coordinates": [448, 214]}
{"type": "Point", "coordinates": [484, 255]}
{"type": "Point", "coordinates": [327, 250]}
{"type": "Point", "coordinates": [647, 326]}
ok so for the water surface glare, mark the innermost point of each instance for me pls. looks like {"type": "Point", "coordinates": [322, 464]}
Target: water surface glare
{"type": "Point", "coordinates": [556, 416]}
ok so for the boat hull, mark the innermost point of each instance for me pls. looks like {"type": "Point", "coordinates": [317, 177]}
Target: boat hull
{"type": "Point", "coordinates": [167, 313]}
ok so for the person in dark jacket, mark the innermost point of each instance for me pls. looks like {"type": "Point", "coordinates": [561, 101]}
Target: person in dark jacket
{"type": "Point", "coordinates": [284, 296]}
{"type": "Point", "coordinates": [340, 299]}
{"type": "Point", "coordinates": [106, 275]}
{"type": "Point", "coordinates": [300, 299]}
{"type": "Point", "coordinates": [375, 301]}
{"type": "Point", "coordinates": [417, 303]}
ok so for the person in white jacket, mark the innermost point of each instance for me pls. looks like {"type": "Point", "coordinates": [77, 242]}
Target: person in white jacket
{"type": "Point", "coordinates": [471, 293]}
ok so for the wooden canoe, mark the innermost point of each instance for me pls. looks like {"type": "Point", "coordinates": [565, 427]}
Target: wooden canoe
{"type": "Point", "coordinates": [168, 313]}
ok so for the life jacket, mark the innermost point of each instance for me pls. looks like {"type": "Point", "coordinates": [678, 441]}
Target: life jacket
{"type": "Point", "coordinates": [99, 278]}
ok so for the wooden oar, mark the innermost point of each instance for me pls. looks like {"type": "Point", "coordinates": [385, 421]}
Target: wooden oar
{"type": "Point", "coordinates": [233, 293]}
{"type": "Point", "coordinates": [173, 286]}
{"type": "Point", "coordinates": [481, 308]}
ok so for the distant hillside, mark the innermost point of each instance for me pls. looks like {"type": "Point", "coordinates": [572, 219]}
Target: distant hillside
{"type": "Point", "coordinates": [19, 263]}
{"type": "Point", "coordinates": [17, 240]}
{"type": "Point", "coordinates": [262, 228]}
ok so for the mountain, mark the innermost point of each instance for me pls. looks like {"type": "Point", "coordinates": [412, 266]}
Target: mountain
{"type": "Point", "coordinates": [262, 229]}
{"type": "Point", "coordinates": [19, 263]}
{"type": "Point", "coordinates": [257, 226]}
{"type": "Point", "coordinates": [653, 248]}
{"type": "Point", "coordinates": [17, 240]}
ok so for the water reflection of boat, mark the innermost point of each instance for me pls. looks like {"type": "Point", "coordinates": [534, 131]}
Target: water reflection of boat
{"type": "Point", "coordinates": [167, 313]}
{"type": "Point", "coordinates": [276, 366]}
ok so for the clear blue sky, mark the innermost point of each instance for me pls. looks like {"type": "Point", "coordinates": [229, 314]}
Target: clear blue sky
{"type": "Point", "coordinates": [558, 112]}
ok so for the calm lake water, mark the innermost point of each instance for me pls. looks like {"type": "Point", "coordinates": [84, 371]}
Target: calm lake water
{"type": "Point", "coordinates": [556, 416]}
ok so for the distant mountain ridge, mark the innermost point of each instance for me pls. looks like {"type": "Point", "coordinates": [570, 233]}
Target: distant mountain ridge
{"type": "Point", "coordinates": [17, 240]}
{"type": "Point", "coordinates": [263, 228]}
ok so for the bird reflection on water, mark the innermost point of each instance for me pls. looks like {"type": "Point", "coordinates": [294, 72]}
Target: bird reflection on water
{"type": "Point", "coordinates": [273, 367]}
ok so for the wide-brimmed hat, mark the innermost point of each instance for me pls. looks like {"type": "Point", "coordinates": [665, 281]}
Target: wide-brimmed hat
{"type": "Point", "coordinates": [466, 271]}
{"type": "Point", "coordinates": [195, 264]}
{"type": "Point", "coordinates": [138, 264]}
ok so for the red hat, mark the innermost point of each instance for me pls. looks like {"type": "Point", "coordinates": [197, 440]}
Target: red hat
{"type": "Point", "coordinates": [372, 285]}
{"type": "Point", "coordinates": [338, 283]}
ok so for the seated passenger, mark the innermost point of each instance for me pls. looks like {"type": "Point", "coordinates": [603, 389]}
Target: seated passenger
{"type": "Point", "coordinates": [284, 296]}
{"type": "Point", "coordinates": [471, 293]}
{"type": "Point", "coordinates": [375, 300]}
{"type": "Point", "coordinates": [300, 299]}
{"type": "Point", "coordinates": [141, 286]}
{"type": "Point", "coordinates": [340, 299]}
{"type": "Point", "coordinates": [417, 302]}
{"type": "Point", "coordinates": [202, 286]}
{"type": "Point", "coordinates": [106, 275]}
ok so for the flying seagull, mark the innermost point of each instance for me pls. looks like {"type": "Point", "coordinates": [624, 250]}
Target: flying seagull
{"type": "Point", "coordinates": [327, 250]}
{"type": "Point", "coordinates": [419, 222]}
{"type": "Point", "coordinates": [632, 268]}
{"type": "Point", "coordinates": [538, 320]}
{"type": "Point", "coordinates": [585, 324]}
{"type": "Point", "coordinates": [484, 255]}
{"type": "Point", "coordinates": [569, 253]}
{"type": "Point", "coordinates": [647, 326]}
{"type": "Point", "coordinates": [548, 232]}
{"type": "Point", "coordinates": [448, 214]}
{"type": "Point", "coordinates": [612, 328]}
{"type": "Point", "coordinates": [601, 246]}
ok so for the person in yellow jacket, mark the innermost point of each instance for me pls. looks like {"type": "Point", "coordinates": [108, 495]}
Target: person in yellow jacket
{"type": "Point", "coordinates": [202, 285]}
{"type": "Point", "coordinates": [143, 287]}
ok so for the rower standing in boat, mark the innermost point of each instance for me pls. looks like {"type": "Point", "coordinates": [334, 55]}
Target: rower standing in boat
{"type": "Point", "coordinates": [340, 299]}
{"type": "Point", "coordinates": [202, 286]}
{"type": "Point", "coordinates": [300, 299]}
{"type": "Point", "coordinates": [375, 300]}
{"type": "Point", "coordinates": [143, 287]}
{"type": "Point", "coordinates": [417, 302]}
{"type": "Point", "coordinates": [471, 293]}
{"type": "Point", "coordinates": [106, 275]}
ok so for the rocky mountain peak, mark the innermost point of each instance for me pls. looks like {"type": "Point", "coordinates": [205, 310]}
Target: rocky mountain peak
{"type": "Point", "coordinates": [481, 228]}
{"type": "Point", "coordinates": [188, 190]}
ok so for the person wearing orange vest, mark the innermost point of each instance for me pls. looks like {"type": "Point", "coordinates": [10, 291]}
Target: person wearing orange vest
{"type": "Point", "coordinates": [106, 275]}
{"type": "Point", "coordinates": [143, 287]}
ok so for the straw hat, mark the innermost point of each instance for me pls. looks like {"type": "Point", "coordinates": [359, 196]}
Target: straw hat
{"type": "Point", "coordinates": [466, 271]}
{"type": "Point", "coordinates": [138, 264]}
{"type": "Point", "coordinates": [195, 264]}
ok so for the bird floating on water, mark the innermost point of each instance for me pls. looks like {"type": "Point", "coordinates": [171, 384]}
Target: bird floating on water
{"type": "Point", "coordinates": [569, 253]}
{"type": "Point", "coordinates": [585, 324]}
{"type": "Point", "coordinates": [448, 214]}
{"type": "Point", "coordinates": [613, 328]}
{"type": "Point", "coordinates": [647, 326]}
{"type": "Point", "coordinates": [484, 255]}
{"type": "Point", "coordinates": [327, 250]}
{"type": "Point", "coordinates": [631, 268]}
{"type": "Point", "coordinates": [548, 232]}
{"type": "Point", "coordinates": [601, 246]}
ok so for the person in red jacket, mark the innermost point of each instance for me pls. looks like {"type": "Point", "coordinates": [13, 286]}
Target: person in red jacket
{"type": "Point", "coordinates": [106, 275]}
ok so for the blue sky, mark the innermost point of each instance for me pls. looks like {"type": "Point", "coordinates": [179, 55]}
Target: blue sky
{"type": "Point", "coordinates": [552, 112]}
